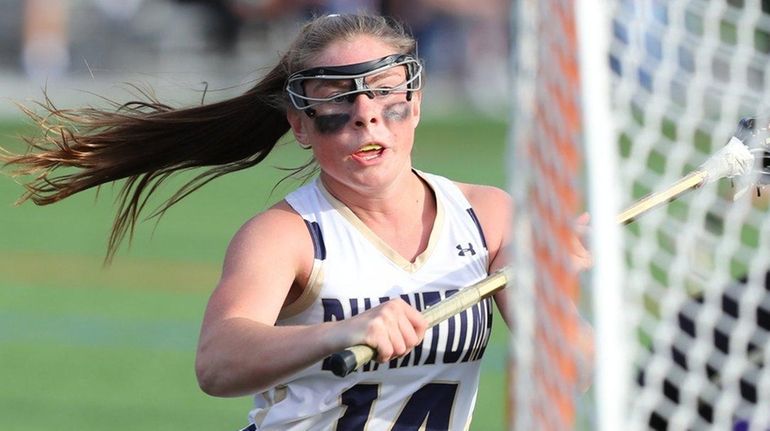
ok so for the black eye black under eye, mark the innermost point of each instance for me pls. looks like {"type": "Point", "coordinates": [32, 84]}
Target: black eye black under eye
{"type": "Point", "coordinates": [330, 123]}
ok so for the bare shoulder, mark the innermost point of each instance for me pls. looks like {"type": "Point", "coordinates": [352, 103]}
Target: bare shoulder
{"type": "Point", "coordinates": [279, 217]}
{"type": "Point", "coordinates": [278, 232]}
{"type": "Point", "coordinates": [488, 201]}
{"type": "Point", "coordinates": [494, 208]}
{"type": "Point", "coordinates": [267, 262]}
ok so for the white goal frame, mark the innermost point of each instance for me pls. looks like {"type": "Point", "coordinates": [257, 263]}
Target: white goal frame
{"type": "Point", "coordinates": [656, 86]}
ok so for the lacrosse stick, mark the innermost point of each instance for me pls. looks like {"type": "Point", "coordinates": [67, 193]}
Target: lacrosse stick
{"type": "Point", "coordinates": [736, 159]}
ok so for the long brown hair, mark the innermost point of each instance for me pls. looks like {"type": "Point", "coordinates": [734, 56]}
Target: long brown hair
{"type": "Point", "coordinates": [146, 141]}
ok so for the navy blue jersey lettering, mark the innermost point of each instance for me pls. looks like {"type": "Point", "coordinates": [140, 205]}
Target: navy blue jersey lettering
{"type": "Point", "coordinates": [358, 401]}
{"type": "Point", "coordinates": [430, 405]}
{"type": "Point", "coordinates": [461, 338]}
{"type": "Point", "coordinates": [475, 331]}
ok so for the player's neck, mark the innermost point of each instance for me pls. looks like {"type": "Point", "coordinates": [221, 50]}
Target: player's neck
{"type": "Point", "coordinates": [404, 222]}
{"type": "Point", "coordinates": [404, 197]}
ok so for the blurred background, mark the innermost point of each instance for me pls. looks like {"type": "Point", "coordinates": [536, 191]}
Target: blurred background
{"type": "Point", "coordinates": [220, 44]}
{"type": "Point", "coordinates": [87, 346]}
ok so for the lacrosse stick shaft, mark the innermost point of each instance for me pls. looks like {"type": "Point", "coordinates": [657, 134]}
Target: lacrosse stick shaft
{"type": "Point", "coordinates": [344, 362]}
{"type": "Point", "coordinates": [692, 180]}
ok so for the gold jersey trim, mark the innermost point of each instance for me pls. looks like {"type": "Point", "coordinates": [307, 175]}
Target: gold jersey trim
{"type": "Point", "coordinates": [381, 245]}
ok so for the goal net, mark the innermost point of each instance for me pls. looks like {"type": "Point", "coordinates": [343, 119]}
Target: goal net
{"type": "Point", "coordinates": [644, 91]}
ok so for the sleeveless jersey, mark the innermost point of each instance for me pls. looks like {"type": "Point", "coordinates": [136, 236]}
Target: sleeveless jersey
{"type": "Point", "coordinates": [433, 386]}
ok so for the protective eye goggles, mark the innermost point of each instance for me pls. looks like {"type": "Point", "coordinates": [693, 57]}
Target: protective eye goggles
{"type": "Point", "coordinates": [337, 85]}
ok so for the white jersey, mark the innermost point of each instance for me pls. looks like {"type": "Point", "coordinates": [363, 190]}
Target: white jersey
{"type": "Point", "coordinates": [435, 385]}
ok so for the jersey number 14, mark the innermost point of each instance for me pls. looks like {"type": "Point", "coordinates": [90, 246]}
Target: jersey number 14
{"type": "Point", "coordinates": [430, 405]}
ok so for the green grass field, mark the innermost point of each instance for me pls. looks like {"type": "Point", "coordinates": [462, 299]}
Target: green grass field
{"type": "Point", "coordinates": [87, 347]}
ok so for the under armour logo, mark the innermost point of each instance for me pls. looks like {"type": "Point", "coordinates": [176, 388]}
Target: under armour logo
{"type": "Point", "coordinates": [465, 251]}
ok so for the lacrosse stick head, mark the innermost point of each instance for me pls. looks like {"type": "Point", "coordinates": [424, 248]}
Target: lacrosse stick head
{"type": "Point", "coordinates": [755, 134]}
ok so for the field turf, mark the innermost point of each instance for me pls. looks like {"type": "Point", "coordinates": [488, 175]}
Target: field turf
{"type": "Point", "coordinates": [89, 347]}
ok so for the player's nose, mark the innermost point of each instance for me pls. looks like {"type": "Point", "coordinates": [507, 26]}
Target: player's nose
{"type": "Point", "coordinates": [365, 110]}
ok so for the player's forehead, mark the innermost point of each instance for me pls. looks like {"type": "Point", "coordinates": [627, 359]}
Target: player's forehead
{"type": "Point", "coordinates": [352, 50]}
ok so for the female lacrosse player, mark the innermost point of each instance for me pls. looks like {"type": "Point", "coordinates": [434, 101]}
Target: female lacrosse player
{"type": "Point", "coordinates": [349, 258]}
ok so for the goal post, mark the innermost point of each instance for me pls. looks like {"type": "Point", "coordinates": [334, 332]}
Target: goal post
{"type": "Point", "coordinates": [614, 100]}
{"type": "Point", "coordinates": [611, 359]}
{"type": "Point", "coordinates": [545, 170]}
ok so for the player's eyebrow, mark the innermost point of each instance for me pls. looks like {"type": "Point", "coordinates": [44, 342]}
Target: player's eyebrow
{"type": "Point", "coordinates": [383, 75]}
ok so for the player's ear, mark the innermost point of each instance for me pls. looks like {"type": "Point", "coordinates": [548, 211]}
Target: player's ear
{"type": "Point", "coordinates": [416, 102]}
{"type": "Point", "coordinates": [297, 128]}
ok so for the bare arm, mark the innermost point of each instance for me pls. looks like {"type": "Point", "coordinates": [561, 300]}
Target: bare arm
{"type": "Point", "coordinates": [494, 208]}
{"type": "Point", "coordinates": [241, 351]}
